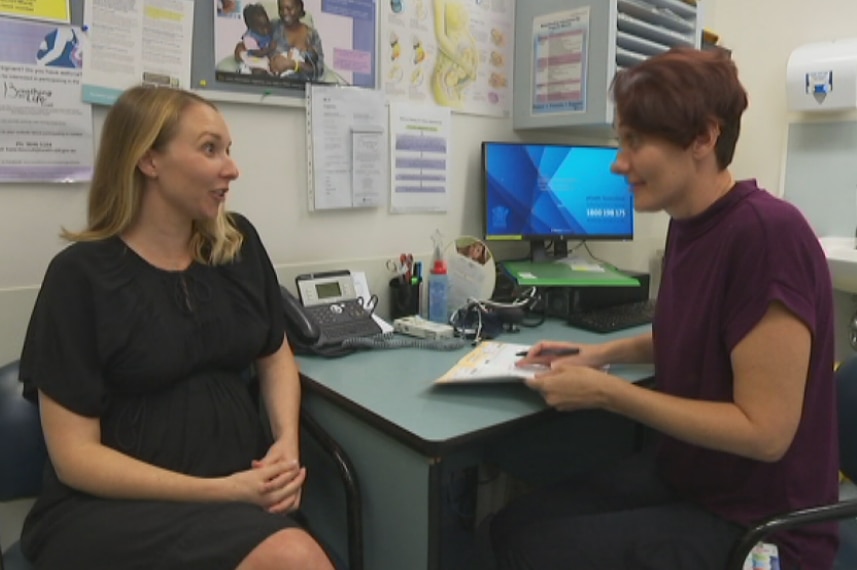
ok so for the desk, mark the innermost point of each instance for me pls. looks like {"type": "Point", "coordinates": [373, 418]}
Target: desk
{"type": "Point", "coordinates": [407, 437]}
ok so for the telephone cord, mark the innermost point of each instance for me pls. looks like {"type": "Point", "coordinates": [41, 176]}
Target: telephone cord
{"type": "Point", "coordinates": [392, 340]}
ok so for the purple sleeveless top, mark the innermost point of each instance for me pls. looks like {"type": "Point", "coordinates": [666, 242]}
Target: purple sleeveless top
{"type": "Point", "coordinates": [722, 270]}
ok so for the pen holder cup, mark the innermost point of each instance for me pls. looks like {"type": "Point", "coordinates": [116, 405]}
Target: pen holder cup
{"type": "Point", "coordinates": [404, 298]}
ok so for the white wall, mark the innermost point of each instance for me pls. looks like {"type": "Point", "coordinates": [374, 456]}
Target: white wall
{"type": "Point", "coordinates": [271, 152]}
{"type": "Point", "coordinates": [269, 146]}
{"type": "Point", "coordinates": [271, 190]}
{"type": "Point", "coordinates": [762, 35]}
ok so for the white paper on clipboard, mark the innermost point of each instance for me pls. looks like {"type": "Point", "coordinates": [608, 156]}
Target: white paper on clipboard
{"type": "Point", "coordinates": [489, 362]}
{"type": "Point", "coordinates": [368, 173]}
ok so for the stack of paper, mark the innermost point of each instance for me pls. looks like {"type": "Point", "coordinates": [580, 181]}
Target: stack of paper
{"type": "Point", "coordinates": [577, 263]}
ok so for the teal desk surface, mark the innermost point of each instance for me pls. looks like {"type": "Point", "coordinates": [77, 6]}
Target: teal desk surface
{"type": "Point", "coordinates": [393, 389]}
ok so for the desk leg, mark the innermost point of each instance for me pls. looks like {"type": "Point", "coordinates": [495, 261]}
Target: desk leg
{"type": "Point", "coordinates": [452, 520]}
{"type": "Point", "coordinates": [394, 482]}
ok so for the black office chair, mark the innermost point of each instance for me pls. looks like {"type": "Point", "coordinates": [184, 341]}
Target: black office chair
{"type": "Point", "coordinates": [23, 455]}
{"type": "Point", "coordinates": [844, 511]}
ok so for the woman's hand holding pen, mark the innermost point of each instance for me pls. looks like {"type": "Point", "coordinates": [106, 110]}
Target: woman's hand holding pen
{"type": "Point", "coordinates": [576, 377]}
{"type": "Point", "coordinates": [550, 353]}
{"type": "Point", "coordinates": [567, 386]}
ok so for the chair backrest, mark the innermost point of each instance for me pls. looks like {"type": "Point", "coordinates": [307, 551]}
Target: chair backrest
{"type": "Point", "coordinates": [22, 446]}
{"type": "Point", "coordinates": [846, 379]}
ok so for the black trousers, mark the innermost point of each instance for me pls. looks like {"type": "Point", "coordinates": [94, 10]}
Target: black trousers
{"type": "Point", "coordinates": [620, 518]}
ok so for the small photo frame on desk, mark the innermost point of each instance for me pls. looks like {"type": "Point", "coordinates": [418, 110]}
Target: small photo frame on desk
{"type": "Point", "coordinates": [472, 271]}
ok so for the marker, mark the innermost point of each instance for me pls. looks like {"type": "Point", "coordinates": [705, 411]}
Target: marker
{"type": "Point", "coordinates": [553, 352]}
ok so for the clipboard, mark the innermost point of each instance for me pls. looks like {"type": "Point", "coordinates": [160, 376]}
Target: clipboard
{"type": "Point", "coordinates": [490, 362]}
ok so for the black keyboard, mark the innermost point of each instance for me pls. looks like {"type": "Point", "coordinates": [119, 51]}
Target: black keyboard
{"type": "Point", "coordinates": [614, 318]}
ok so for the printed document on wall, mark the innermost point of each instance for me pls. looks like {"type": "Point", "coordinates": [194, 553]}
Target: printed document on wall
{"type": "Point", "coordinates": [45, 129]}
{"type": "Point", "coordinates": [560, 57]}
{"type": "Point", "coordinates": [347, 146]}
{"type": "Point", "coordinates": [50, 10]}
{"type": "Point", "coordinates": [128, 43]}
{"type": "Point", "coordinates": [419, 162]}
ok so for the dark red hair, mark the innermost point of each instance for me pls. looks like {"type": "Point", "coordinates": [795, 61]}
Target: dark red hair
{"type": "Point", "coordinates": [678, 94]}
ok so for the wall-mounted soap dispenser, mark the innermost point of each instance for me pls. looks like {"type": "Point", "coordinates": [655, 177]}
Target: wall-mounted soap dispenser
{"type": "Point", "coordinates": [823, 76]}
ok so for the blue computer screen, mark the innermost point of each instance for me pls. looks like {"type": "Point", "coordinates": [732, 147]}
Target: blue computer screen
{"type": "Point", "coordinates": [554, 191]}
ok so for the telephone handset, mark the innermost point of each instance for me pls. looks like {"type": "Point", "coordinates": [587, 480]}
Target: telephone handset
{"type": "Point", "coordinates": [300, 328]}
{"type": "Point", "coordinates": [329, 311]}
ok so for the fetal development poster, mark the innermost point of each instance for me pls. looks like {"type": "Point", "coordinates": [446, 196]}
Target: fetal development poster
{"type": "Point", "coordinates": [287, 43]}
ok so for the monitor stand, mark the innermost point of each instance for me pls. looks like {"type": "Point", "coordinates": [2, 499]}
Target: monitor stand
{"type": "Point", "coordinates": [539, 253]}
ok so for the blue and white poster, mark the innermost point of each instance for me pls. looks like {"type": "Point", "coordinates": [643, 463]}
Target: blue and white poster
{"type": "Point", "coordinates": [45, 128]}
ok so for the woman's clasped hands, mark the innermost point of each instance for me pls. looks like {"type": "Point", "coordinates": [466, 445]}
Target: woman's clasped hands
{"type": "Point", "coordinates": [273, 482]}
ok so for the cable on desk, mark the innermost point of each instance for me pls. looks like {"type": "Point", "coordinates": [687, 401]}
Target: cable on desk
{"type": "Point", "coordinates": [595, 257]}
{"type": "Point", "coordinates": [391, 340]}
{"type": "Point", "coordinates": [488, 318]}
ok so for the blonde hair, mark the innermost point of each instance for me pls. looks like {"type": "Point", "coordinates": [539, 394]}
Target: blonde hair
{"type": "Point", "coordinates": [145, 118]}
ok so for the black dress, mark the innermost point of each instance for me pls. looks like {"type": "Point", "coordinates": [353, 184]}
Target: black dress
{"type": "Point", "coordinates": [161, 358]}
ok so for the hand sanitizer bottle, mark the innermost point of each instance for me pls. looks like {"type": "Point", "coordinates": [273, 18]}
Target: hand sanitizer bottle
{"type": "Point", "coordinates": [438, 284]}
{"type": "Point", "coordinates": [438, 293]}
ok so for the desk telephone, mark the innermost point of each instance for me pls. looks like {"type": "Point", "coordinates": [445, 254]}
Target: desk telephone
{"type": "Point", "coordinates": [329, 311]}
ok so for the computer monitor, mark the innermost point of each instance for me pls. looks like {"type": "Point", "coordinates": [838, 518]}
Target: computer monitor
{"type": "Point", "coordinates": [541, 192]}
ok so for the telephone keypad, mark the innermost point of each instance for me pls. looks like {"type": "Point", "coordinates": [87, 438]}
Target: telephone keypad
{"type": "Point", "coordinates": [344, 319]}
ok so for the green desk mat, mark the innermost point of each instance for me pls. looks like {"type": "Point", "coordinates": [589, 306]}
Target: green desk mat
{"type": "Point", "coordinates": [546, 273]}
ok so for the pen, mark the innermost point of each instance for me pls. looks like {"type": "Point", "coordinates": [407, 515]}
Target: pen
{"type": "Point", "coordinates": [553, 352]}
